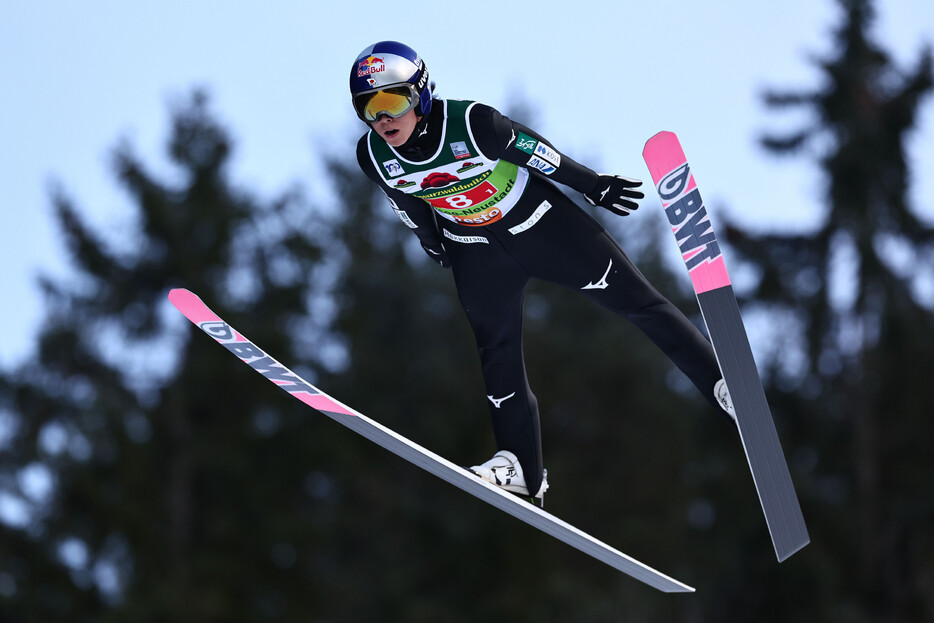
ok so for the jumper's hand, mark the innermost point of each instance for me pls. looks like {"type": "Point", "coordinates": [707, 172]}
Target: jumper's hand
{"type": "Point", "coordinates": [437, 253]}
{"type": "Point", "coordinates": [615, 193]}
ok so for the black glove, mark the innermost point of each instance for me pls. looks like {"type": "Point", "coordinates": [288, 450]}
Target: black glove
{"type": "Point", "coordinates": [615, 193]}
{"type": "Point", "coordinates": [436, 252]}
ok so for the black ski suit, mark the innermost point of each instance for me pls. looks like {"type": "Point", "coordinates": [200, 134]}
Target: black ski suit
{"type": "Point", "coordinates": [544, 235]}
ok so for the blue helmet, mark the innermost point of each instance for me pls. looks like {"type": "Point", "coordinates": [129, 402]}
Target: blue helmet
{"type": "Point", "coordinates": [389, 64]}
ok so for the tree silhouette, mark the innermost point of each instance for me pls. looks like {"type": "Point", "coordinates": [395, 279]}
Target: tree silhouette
{"type": "Point", "coordinates": [147, 475]}
{"type": "Point", "coordinates": [866, 340]}
{"type": "Point", "coordinates": [166, 502]}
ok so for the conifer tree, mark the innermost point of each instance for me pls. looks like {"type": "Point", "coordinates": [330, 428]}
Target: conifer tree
{"type": "Point", "coordinates": [171, 489]}
{"type": "Point", "coordinates": [847, 294]}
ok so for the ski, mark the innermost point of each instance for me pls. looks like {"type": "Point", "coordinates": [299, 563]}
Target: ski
{"type": "Point", "coordinates": [191, 306]}
{"type": "Point", "coordinates": [700, 250]}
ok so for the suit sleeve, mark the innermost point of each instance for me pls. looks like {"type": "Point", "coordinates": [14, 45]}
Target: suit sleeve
{"type": "Point", "coordinates": [414, 212]}
{"type": "Point", "coordinates": [499, 137]}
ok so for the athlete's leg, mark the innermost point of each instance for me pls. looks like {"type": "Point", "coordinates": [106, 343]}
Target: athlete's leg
{"type": "Point", "coordinates": [567, 246]}
{"type": "Point", "coordinates": [491, 287]}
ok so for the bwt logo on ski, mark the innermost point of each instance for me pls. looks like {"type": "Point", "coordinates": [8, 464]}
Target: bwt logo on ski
{"type": "Point", "coordinates": [254, 357]}
{"type": "Point", "coordinates": [688, 218]}
{"type": "Point", "coordinates": [674, 183]}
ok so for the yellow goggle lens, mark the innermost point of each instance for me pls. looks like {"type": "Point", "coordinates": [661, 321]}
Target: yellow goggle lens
{"type": "Point", "coordinates": [384, 102]}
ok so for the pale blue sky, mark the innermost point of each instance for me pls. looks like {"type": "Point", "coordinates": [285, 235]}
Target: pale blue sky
{"type": "Point", "coordinates": [75, 78]}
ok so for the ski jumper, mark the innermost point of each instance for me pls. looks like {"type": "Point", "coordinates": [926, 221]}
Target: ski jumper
{"type": "Point", "coordinates": [477, 184]}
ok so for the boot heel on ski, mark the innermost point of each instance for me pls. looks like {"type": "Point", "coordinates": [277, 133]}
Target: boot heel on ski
{"type": "Point", "coordinates": [504, 471]}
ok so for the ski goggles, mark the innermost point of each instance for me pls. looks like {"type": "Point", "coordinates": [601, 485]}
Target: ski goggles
{"type": "Point", "coordinates": [393, 101]}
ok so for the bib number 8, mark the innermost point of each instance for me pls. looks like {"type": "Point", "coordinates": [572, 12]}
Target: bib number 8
{"type": "Point", "coordinates": [459, 201]}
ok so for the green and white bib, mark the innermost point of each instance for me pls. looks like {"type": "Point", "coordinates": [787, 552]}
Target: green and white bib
{"type": "Point", "coordinates": [460, 183]}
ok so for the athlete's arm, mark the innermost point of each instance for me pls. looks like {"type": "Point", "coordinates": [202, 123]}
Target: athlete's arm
{"type": "Point", "coordinates": [414, 212]}
{"type": "Point", "coordinates": [499, 137]}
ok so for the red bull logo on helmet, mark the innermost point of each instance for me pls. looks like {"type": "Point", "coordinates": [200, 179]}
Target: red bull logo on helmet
{"type": "Point", "coordinates": [370, 65]}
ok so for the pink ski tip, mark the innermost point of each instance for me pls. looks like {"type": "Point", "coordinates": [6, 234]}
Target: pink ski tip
{"type": "Point", "coordinates": [665, 136]}
{"type": "Point", "coordinates": [191, 306]}
{"type": "Point", "coordinates": [180, 297]}
{"type": "Point", "coordinates": [663, 153]}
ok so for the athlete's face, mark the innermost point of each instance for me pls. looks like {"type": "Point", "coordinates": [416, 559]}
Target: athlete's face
{"type": "Point", "coordinates": [395, 131]}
